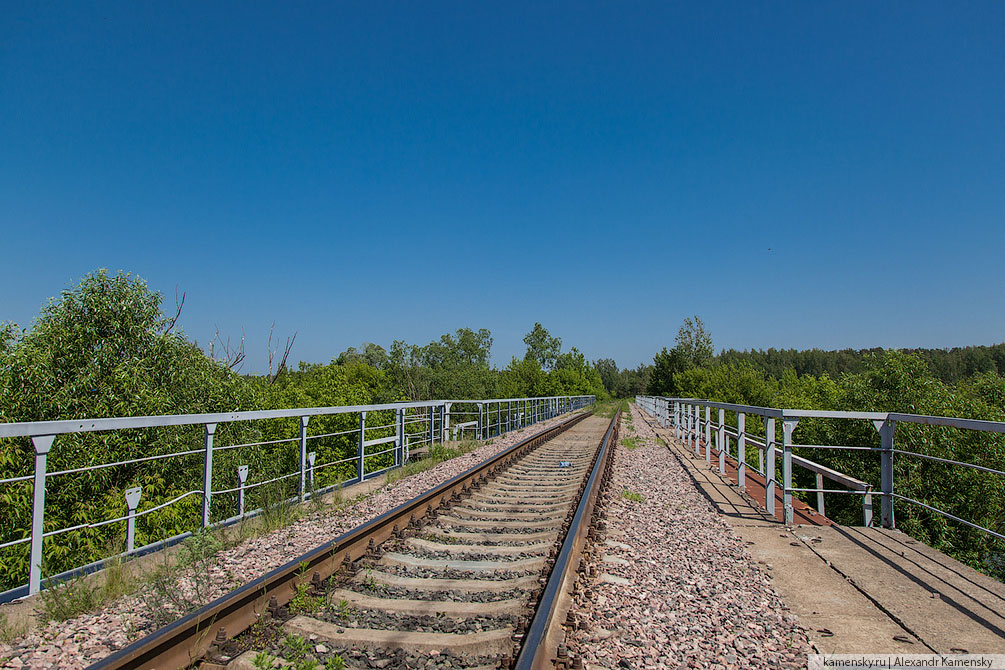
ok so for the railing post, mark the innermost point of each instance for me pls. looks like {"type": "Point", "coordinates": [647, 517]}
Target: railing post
{"type": "Point", "coordinates": [684, 422]}
{"type": "Point", "coordinates": [43, 443]}
{"type": "Point", "coordinates": [693, 428]}
{"type": "Point", "coordinates": [741, 451]}
{"type": "Point", "coordinates": [399, 433]}
{"type": "Point", "coordinates": [867, 508]}
{"type": "Point", "coordinates": [886, 431]}
{"type": "Point", "coordinates": [788, 427]}
{"type": "Point", "coordinates": [362, 439]}
{"type": "Point", "coordinates": [304, 420]}
{"type": "Point", "coordinates": [722, 441]}
{"type": "Point", "coordinates": [446, 419]}
{"type": "Point", "coordinates": [311, 457]}
{"type": "Point", "coordinates": [820, 494]}
{"type": "Point", "coordinates": [441, 412]}
{"type": "Point", "coordinates": [132, 502]}
{"type": "Point", "coordinates": [432, 421]}
{"type": "Point", "coordinates": [682, 412]}
{"type": "Point", "coordinates": [769, 470]}
{"type": "Point", "coordinates": [708, 434]}
{"type": "Point", "coordinates": [207, 474]}
{"type": "Point", "coordinates": [761, 452]}
{"type": "Point", "coordinates": [481, 435]}
{"type": "Point", "coordinates": [242, 479]}
{"type": "Point", "coordinates": [499, 429]}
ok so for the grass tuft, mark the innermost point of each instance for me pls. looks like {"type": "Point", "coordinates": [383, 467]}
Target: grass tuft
{"type": "Point", "coordinates": [632, 496]}
{"type": "Point", "coordinates": [67, 599]}
{"type": "Point", "coordinates": [10, 631]}
{"type": "Point", "coordinates": [438, 453]}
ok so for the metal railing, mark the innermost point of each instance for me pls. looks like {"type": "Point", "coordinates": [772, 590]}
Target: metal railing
{"type": "Point", "coordinates": [685, 416]}
{"type": "Point", "coordinates": [379, 446]}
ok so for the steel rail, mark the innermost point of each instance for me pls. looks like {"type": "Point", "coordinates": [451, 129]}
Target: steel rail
{"type": "Point", "coordinates": [541, 642]}
{"type": "Point", "coordinates": [181, 643]}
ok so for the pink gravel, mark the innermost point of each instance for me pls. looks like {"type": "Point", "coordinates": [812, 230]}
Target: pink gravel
{"type": "Point", "coordinates": [676, 588]}
{"type": "Point", "coordinates": [78, 642]}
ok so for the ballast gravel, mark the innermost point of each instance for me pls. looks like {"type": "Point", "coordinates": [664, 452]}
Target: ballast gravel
{"type": "Point", "coordinates": [675, 586]}
{"type": "Point", "coordinates": [76, 643]}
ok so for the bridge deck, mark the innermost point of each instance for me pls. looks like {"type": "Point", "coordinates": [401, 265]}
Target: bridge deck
{"type": "Point", "coordinates": [858, 590]}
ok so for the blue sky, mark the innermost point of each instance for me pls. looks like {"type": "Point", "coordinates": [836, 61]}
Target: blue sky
{"type": "Point", "coordinates": [798, 174]}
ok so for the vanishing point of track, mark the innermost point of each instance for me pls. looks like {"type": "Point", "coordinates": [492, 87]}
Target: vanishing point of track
{"type": "Point", "coordinates": [480, 569]}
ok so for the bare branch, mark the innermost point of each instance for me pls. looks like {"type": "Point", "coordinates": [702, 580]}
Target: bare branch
{"type": "Point", "coordinates": [273, 376]}
{"type": "Point", "coordinates": [232, 357]}
{"type": "Point", "coordinates": [272, 353]}
{"type": "Point", "coordinates": [178, 305]}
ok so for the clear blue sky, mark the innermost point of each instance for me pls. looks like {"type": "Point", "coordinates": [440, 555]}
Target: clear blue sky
{"type": "Point", "coordinates": [798, 174]}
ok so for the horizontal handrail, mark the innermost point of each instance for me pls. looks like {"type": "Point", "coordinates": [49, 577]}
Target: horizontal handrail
{"type": "Point", "coordinates": [685, 415]}
{"type": "Point", "coordinates": [833, 475]}
{"type": "Point", "coordinates": [422, 422]}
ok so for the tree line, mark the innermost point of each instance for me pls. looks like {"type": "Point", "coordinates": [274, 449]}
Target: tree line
{"type": "Point", "coordinates": [106, 348]}
{"type": "Point", "coordinates": [962, 382]}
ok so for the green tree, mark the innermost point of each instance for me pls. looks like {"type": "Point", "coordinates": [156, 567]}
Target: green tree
{"type": "Point", "coordinates": [105, 349]}
{"type": "Point", "coordinates": [666, 364]}
{"type": "Point", "coordinates": [693, 343]}
{"type": "Point", "coordinates": [542, 347]}
{"type": "Point", "coordinates": [693, 349]}
{"type": "Point", "coordinates": [372, 354]}
{"type": "Point", "coordinates": [609, 373]}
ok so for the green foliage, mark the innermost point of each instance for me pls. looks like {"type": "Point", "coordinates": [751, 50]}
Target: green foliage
{"type": "Point", "coordinates": [297, 649]}
{"type": "Point", "coordinates": [632, 496]}
{"type": "Point", "coordinates": [608, 408]}
{"type": "Point", "coordinates": [455, 366]}
{"type": "Point", "coordinates": [899, 382]}
{"type": "Point", "coordinates": [693, 343]}
{"type": "Point", "coordinates": [66, 600]}
{"type": "Point", "coordinates": [336, 662]}
{"type": "Point", "coordinates": [164, 600]}
{"type": "Point", "coordinates": [693, 349]}
{"type": "Point", "coordinates": [572, 374]}
{"type": "Point", "coordinates": [105, 348]}
{"type": "Point", "coordinates": [437, 454]}
{"type": "Point", "coordinates": [542, 347]}
{"type": "Point", "coordinates": [372, 354]}
{"type": "Point", "coordinates": [263, 661]}
{"type": "Point", "coordinates": [626, 383]}
{"type": "Point", "coordinates": [948, 365]}
{"type": "Point", "coordinates": [10, 631]}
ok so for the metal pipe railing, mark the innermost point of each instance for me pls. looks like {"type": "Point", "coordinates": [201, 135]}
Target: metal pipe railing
{"type": "Point", "coordinates": [684, 415]}
{"type": "Point", "coordinates": [399, 424]}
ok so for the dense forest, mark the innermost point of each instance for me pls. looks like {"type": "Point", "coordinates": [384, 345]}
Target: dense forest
{"type": "Point", "coordinates": [106, 348]}
{"type": "Point", "coordinates": [947, 365]}
{"type": "Point", "coordinates": [963, 382]}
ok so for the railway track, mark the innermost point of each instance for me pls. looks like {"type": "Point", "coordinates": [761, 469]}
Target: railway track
{"type": "Point", "coordinates": [475, 573]}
